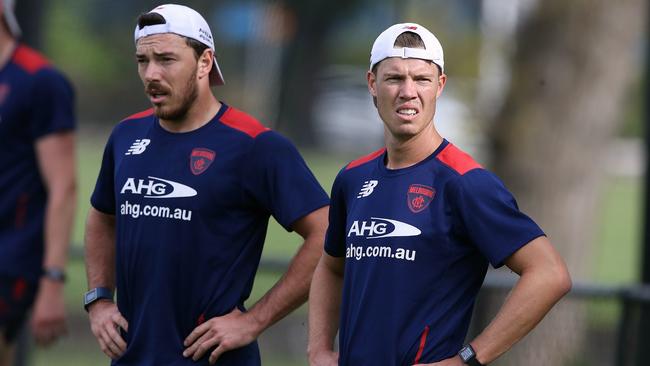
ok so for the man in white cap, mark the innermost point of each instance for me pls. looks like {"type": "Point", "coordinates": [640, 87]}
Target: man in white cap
{"type": "Point", "coordinates": [37, 181]}
{"type": "Point", "coordinates": [180, 210]}
{"type": "Point", "coordinates": [412, 229]}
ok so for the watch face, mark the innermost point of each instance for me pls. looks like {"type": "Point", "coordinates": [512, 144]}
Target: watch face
{"type": "Point", "coordinates": [466, 353]}
{"type": "Point", "coordinates": [91, 296]}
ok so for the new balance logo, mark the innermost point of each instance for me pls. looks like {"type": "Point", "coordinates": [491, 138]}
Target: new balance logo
{"type": "Point", "coordinates": [138, 147]}
{"type": "Point", "coordinates": [367, 188]}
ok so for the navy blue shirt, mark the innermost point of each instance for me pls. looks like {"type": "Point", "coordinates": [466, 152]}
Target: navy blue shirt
{"type": "Point", "coordinates": [191, 212]}
{"type": "Point", "coordinates": [35, 100]}
{"type": "Point", "coordinates": [416, 243]}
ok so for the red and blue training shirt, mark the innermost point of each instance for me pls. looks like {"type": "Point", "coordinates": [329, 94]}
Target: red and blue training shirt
{"type": "Point", "coordinates": [35, 100]}
{"type": "Point", "coordinates": [191, 216]}
{"type": "Point", "coordinates": [416, 243]}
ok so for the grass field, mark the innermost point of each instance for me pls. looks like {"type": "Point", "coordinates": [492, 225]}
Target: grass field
{"type": "Point", "coordinates": [614, 262]}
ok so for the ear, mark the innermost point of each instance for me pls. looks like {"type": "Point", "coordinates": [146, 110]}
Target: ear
{"type": "Point", "coordinates": [442, 80]}
{"type": "Point", "coordinates": [205, 62]}
{"type": "Point", "coordinates": [372, 83]}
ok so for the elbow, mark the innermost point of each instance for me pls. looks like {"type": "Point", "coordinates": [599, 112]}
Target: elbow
{"type": "Point", "coordinates": [563, 282]}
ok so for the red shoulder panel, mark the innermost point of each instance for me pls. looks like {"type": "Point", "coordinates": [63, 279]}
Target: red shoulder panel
{"type": "Point", "coordinates": [457, 159]}
{"type": "Point", "coordinates": [365, 159]}
{"type": "Point", "coordinates": [145, 113]}
{"type": "Point", "coordinates": [243, 122]}
{"type": "Point", "coordinates": [29, 59]}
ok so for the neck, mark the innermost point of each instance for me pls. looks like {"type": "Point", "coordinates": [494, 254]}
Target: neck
{"type": "Point", "coordinates": [204, 108]}
{"type": "Point", "coordinates": [7, 45]}
{"type": "Point", "coordinates": [403, 153]}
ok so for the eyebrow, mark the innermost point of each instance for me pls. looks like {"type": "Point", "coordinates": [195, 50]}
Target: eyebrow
{"type": "Point", "coordinates": [156, 54]}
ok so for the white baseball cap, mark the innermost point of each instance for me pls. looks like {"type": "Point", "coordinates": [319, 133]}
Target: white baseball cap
{"type": "Point", "coordinates": [186, 22]}
{"type": "Point", "coordinates": [384, 45]}
{"type": "Point", "coordinates": [10, 17]}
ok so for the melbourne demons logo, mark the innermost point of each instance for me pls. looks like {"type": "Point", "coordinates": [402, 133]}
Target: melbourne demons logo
{"type": "Point", "coordinates": [200, 160]}
{"type": "Point", "coordinates": [418, 197]}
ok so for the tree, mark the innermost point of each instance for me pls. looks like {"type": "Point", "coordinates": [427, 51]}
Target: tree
{"type": "Point", "coordinates": [573, 65]}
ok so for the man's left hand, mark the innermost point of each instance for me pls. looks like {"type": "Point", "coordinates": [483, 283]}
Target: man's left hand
{"type": "Point", "coordinates": [227, 332]}
{"type": "Point", "coordinates": [48, 319]}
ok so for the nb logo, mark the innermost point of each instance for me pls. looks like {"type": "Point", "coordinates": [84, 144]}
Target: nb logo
{"type": "Point", "coordinates": [138, 147]}
{"type": "Point", "coordinates": [367, 188]}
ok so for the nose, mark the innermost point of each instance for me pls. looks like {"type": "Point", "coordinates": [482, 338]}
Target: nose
{"type": "Point", "coordinates": [408, 89]}
{"type": "Point", "coordinates": [150, 72]}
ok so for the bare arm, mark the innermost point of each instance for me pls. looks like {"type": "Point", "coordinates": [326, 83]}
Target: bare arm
{"type": "Point", "coordinates": [238, 329]}
{"type": "Point", "coordinates": [324, 308]}
{"type": "Point", "coordinates": [544, 279]}
{"type": "Point", "coordinates": [292, 290]}
{"type": "Point", "coordinates": [105, 318]}
{"type": "Point", "coordinates": [56, 160]}
{"type": "Point", "coordinates": [100, 249]}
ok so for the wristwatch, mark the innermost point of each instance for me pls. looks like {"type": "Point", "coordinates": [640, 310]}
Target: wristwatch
{"type": "Point", "coordinates": [468, 356]}
{"type": "Point", "coordinates": [54, 274]}
{"type": "Point", "coordinates": [97, 293]}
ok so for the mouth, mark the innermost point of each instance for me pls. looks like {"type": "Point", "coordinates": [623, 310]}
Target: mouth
{"type": "Point", "coordinates": [407, 112]}
{"type": "Point", "coordinates": [156, 95]}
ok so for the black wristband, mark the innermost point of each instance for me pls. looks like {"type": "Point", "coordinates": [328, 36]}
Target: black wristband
{"type": "Point", "coordinates": [95, 294]}
{"type": "Point", "coordinates": [55, 274]}
{"type": "Point", "coordinates": [468, 355]}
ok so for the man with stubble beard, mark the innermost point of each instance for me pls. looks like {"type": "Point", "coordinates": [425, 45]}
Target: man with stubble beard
{"type": "Point", "coordinates": [180, 211]}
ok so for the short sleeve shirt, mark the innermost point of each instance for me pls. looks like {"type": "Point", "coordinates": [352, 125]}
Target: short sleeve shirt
{"type": "Point", "coordinates": [36, 100]}
{"type": "Point", "coordinates": [191, 216]}
{"type": "Point", "coordinates": [417, 242]}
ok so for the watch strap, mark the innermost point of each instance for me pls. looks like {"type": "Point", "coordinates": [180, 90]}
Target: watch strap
{"type": "Point", "coordinates": [55, 274]}
{"type": "Point", "coordinates": [468, 355]}
{"type": "Point", "coordinates": [97, 293]}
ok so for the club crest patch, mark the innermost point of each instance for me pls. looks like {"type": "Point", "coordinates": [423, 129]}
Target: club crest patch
{"type": "Point", "coordinates": [419, 196]}
{"type": "Point", "coordinates": [200, 160]}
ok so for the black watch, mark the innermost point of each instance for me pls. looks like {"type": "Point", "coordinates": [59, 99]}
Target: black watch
{"type": "Point", "coordinates": [54, 274]}
{"type": "Point", "coordinates": [95, 294]}
{"type": "Point", "coordinates": [468, 356]}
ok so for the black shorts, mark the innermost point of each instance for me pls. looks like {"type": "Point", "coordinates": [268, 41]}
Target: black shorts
{"type": "Point", "coordinates": [16, 299]}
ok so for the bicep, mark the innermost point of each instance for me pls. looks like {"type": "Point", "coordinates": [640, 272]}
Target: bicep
{"type": "Point", "coordinates": [538, 253]}
{"type": "Point", "coordinates": [314, 223]}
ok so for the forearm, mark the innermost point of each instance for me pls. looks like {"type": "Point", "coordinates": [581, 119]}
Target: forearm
{"type": "Point", "coordinates": [100, 250]}
{"type": "Point", "coordinates": [324, 307]}
{"type": "Point", "coordinates": [59, 217]}
{"type": "Point", "coordinates": [292, 289]}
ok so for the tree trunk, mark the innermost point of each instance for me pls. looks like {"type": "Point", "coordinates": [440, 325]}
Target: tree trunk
{"type": "Point", "coordinates": [572, 68]}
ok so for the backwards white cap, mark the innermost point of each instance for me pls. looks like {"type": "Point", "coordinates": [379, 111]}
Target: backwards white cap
{"type": "Point", "coordinates": [384, 45]}
{"type": "Point", "coordinates": [185, 22]}
{"type": "Point", "coordinates": [10, 17]}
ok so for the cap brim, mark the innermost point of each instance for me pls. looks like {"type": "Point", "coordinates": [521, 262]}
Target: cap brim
{"type": "Point", "coordinates": [216, 77]}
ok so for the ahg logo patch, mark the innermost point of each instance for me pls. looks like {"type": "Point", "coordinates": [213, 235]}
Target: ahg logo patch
{"type": "Point", "coordinates": [157, 188]}
{"type": "Point", "coordinates": [419, 196]}
{"type": "Point", "coordinates": [379, 227]}
{"type": "Point", "coordinates": [200, 160]}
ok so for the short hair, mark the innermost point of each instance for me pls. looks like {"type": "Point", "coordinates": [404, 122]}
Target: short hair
{"type": "Point", "coordinates": [407, 40]}
{"type": "Point", "coordinates": [146, 19]}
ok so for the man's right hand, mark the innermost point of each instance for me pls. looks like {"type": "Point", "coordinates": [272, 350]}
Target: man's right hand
{"type": "Point", "coordinates": [105, 321]}
{"type": "Point", "coordinates": [324, 358]}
